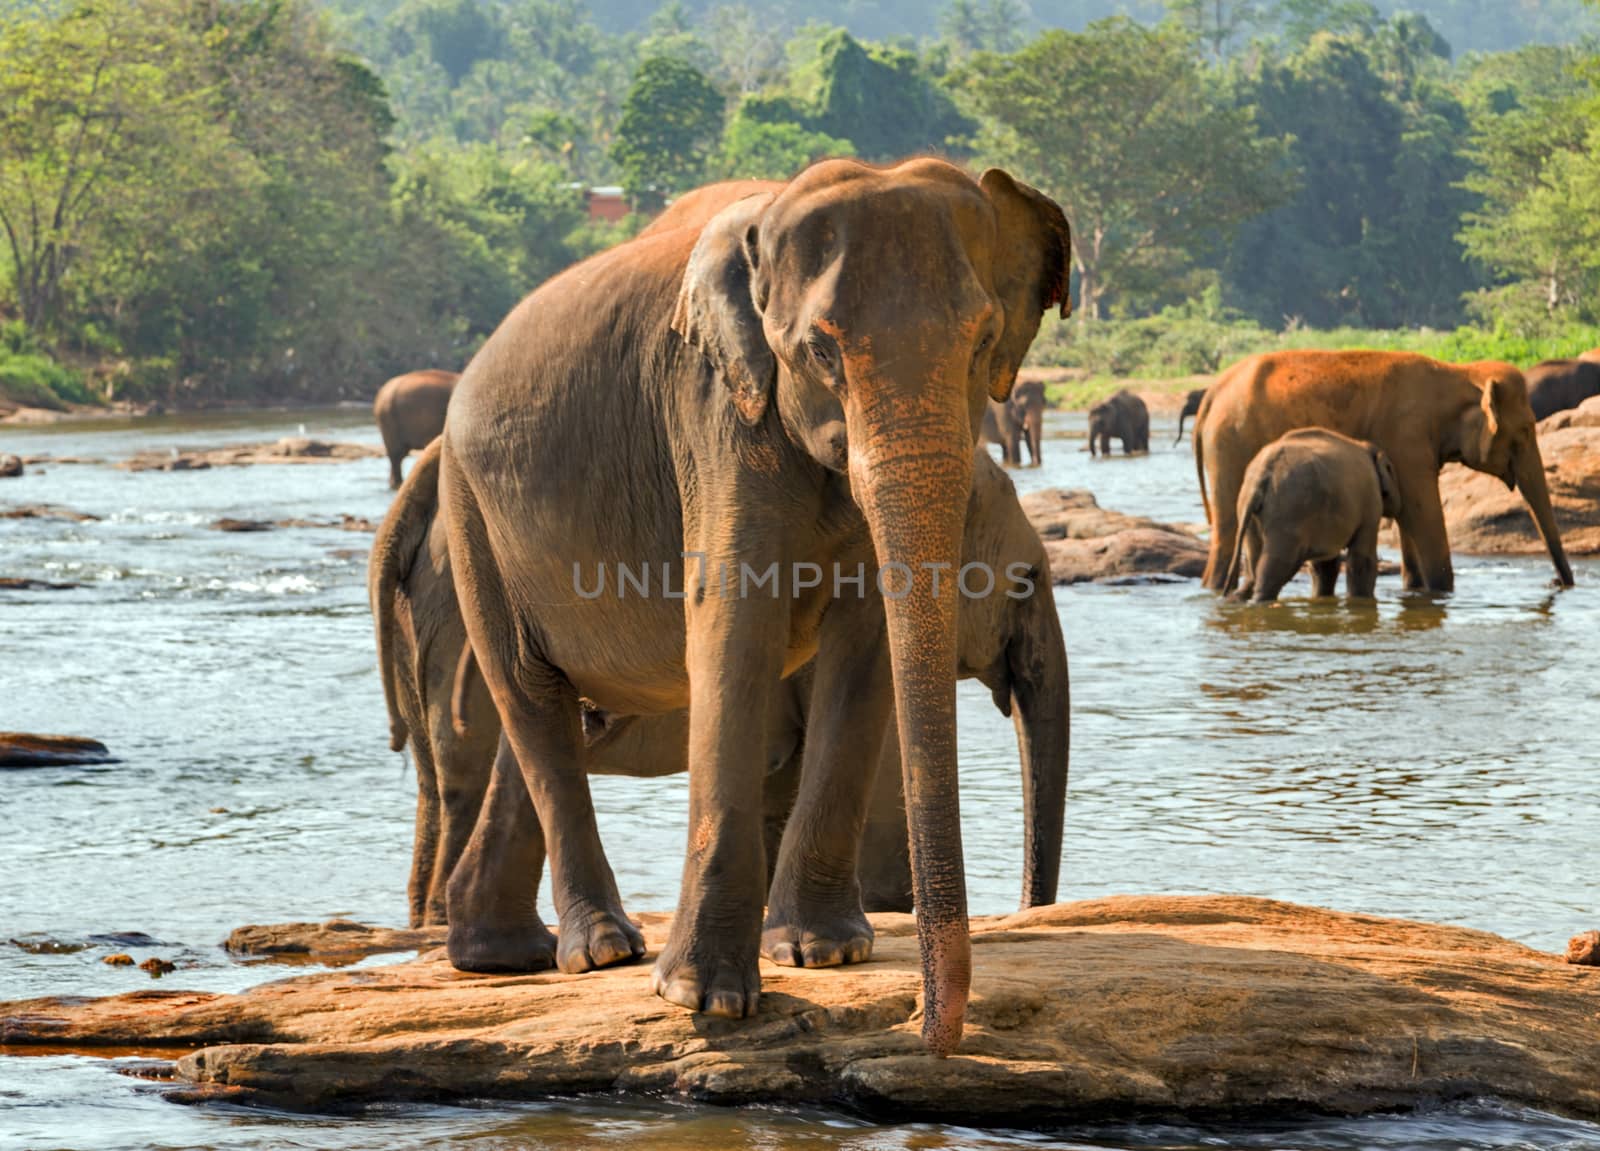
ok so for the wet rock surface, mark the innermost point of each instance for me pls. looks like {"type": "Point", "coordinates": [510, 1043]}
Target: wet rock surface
{"type": "Point", "coordinates": [1126, 1006]}
{"type": "Point", "coordinates": [20, 749]}
{"type": "Point", "coordinates": [10, 466]}
{"type": "Point", "coordinates": [1087, 542]}
{"type": "Point", "coordinates": [345, 523]}
{"type": "Point", "coordinates": [45, 512]}
{"type": "Point", "coordinates": [22, 583]}
{"type": "Point", "coordinates": [332, 941]}
{"type": "Point", "coordinates": [290, 450]}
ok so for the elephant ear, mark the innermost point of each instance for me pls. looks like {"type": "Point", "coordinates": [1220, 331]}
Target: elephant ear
{"type": "Point", "coordinates": [1033, 269]}
{"type": "Point", "coordinates": [717, 310]}
{"type": "Point", "coordinates": [1388, 481]}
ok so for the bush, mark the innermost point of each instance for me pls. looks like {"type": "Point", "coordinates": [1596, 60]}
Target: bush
{"type": "Point", "coordinates": [37, 381]}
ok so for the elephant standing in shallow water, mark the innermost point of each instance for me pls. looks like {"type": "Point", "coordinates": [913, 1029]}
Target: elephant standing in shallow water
{"type": "Point", "coordinates": [410, 411]}
{"type": "Point", "coordinates": [1123, 415]}
{"type": "Point", "coordinates": [798, 382]}
{"type": "Point", "coordinates": [1420, 412]}
{"type": "Point", "coordinates": [1016, 422]}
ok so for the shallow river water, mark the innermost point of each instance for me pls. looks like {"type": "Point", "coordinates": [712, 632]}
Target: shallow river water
{"type": "Point", "coordinates": [1428, 757]}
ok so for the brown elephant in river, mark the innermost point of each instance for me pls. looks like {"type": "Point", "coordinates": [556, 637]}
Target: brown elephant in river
{"type": "Point", "coordinates": [1123, 415]}
{"type": "Point", "coordinates": [1016, 422]}
{"type": "Point", "coordinates": [799, 386]}
{"type": "Point", "coordinates": [1012, 643]}
{"type": "Point", "coordinates": [410, 413]}
{"type": "Point", "coordinates": [1191, 406]}
{"type": "Point", "coordinates": [1313, 495]}
{"type": "Point", "coordinates": [1556, 385]}
{"type": "Point", "coordinates": [1420, 412]}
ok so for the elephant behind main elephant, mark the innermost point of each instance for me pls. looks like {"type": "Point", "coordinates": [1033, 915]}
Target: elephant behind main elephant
{"type": "Point", "coordinates": [1191, 406]}
{"type": "Point", "coordinates": [1013, 645]}
{"type": "Point", "coordinates": [1017, 422]}
{"type": "Point", "coordinates": [1422, 413]}
{"type": "Point", "coordinates": [1123, 415]}
{"type": "Point", "coordinates": [410, 411]}
{"type": "Point", "coordinates": [1556, 385]}
{"type": "Point", "coordinates": [798, 383]}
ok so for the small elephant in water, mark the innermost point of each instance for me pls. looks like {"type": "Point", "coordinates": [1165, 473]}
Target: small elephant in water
{"type": "Point", "coordinates": [410, 413]}
{"type": "Point", "coordinates": [1123, 415]}
{"type": "Point", "coordinates": [1310, 496]}
{"type": "Point", "coordinates": [1191, 407]}
{"type": "Point", "coordinates": [1012, 644]}
{"type": "Point", "coordinates": [1556, 385]}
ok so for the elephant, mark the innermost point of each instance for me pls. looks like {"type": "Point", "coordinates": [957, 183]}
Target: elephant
{"type": "Point", "coordinates": [1556, 385]}
{"type": "Point", "coordinates": [1191, 405]}
{"type": "Point", "coordinates": [410, 413]}
{"type": "Point", "coordinates": [1422, 413]}
{"type": "Point", "coordinates": [1012, 644]}
{"type": "Point", "coordinates": [1017, 421]}
{"type": "Point", "coordinates": [1310, 496]}
{"type": "Point", "coordinates": [799, 385]}
{"type": "Point", "coordinates": [1123, 415]}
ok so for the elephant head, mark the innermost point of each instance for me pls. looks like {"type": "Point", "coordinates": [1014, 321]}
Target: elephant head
{"type": "Point", "coordinates": [1388, 481]}
{"type": "Point", "coordinates": [1498, 435]}
{"type": "Point", "coordinates": [868, 315]}
{"type": "Point", "coordinates": [1011, 641]}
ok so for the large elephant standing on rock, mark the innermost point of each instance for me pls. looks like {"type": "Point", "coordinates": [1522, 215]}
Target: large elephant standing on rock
{"type": "Point", "coordinates": [798, 385]}
{"type": "Point", "coordinates": [1010, 640]}
{"type": "Point", "coordinates": [1123, 415]}
{"type": "Point", "coordinates": [1556, 385]}
{"type": "Point", "coordinates": [1420, 412]}
{"type": "Point", "coordinates": [410, 413]}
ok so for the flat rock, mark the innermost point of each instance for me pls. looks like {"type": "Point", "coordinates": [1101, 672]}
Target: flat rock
{"type": "Point", "coordinates": [333, 941]}
{"type": "Point", "coordinates": [44, 512]}
{"type": "Point", "coordinates": [19, 749]}
{"type": "Point", "coordinates": [1087, 542]}
{"type": "Point", "coordinates": [20, 583]}
{"type": "Point", "coordinates": [292, 450]}
{"type": "Point", "coordinates": [1114, 1007]}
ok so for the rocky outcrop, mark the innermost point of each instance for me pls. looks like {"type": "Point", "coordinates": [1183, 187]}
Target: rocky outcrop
{"type": "Point", "coordinates": [345, 523]}
{"type": "Point", "coordinates": [1121, 1006]}
{"type": "Point", "coordinates": [1086, 542]}
{"type": "Point", "coordinates": [44, 512]}
{"type": "Point", "coordinates": [1484, 517]}
{"type": "Point", "coordinates": [1584, 949]}
{"type": "Point", "coordinates": [293, 450]}
{"type": "Point", "coordinates": [18, 749]}
{"type": "Point", "coordinates": [332, 942]}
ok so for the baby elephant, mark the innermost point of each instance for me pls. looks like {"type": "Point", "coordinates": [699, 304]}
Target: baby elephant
{"type": "Point", "coordinates": [1310, 496]}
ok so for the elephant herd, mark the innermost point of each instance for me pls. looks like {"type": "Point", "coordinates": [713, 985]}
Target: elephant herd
{"type": "Point", "coordinates": [746, 583]}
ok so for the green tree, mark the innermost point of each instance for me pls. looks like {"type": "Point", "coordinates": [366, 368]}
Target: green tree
{"type": "Point", "coordinates": [1217, 24]}
{"type": "Point", "coordinates": [1153, 175]}
{"type": "Point", "coordinates": [991, 26]}
{"type": "Point", "coordinates": [761, 151]}
{"type": "Point", "coordinates": [671, 120]}
{"type": "Point", "coordinates": [455, 34]}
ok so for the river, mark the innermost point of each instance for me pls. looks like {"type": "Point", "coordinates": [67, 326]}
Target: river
{"type": "Point", "coordinates": [1430, 758]}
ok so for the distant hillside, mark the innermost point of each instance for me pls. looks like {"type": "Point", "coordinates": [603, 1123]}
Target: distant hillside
{"type": "Point", "coordinates": [1485, 25]}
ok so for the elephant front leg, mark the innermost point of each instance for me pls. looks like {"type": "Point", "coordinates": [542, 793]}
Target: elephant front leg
{"type": "Point", "coordinates": [735, 653]}
{"type": "Point", "coordinates": [1425, 544]}
{"type": "Point", "coordinates": [493, 892]}
{"type": "Point", "coordinates": [885, 865]}
{"type": "Point", "coordinates": [814, 915]}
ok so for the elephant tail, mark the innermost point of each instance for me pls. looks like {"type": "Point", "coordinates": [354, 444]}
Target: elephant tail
{"type": "Point", "coordinates": [466, 675]}
{"type": "Point", "coordinates": [402, 534]}
{"type": "Point", "coordinates": [1249, 509]}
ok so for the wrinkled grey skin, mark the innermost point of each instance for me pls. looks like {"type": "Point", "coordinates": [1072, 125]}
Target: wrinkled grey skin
{"type": "Point", "coordinates": [410, 413]}
{"type": "Point", "coordinates": [800, 380]}
{"type": "Point", "coordinates": [1013, 645]}
{"type": "Point", "coordinates": [1556, 385]}
{"type": "Point", "coordinates": [1123, 415]}
{"type": "Point", "coordinates": [1191, 406]}
{"type": "Point", "coordinates": [1312, 496]}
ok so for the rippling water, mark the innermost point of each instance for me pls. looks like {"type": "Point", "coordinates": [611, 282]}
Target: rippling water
{"type": "Point", "coordinates": [1430, 758]}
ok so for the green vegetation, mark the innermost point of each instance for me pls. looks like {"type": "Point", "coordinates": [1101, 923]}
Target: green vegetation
{"type": "Point", "coordinates": [268, 199]}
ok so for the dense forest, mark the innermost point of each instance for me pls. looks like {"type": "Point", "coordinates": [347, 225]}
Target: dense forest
{"type": "Point", "coordinates": [271, 199]}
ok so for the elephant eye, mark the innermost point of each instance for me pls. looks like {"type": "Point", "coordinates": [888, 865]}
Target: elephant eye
{"type": "Point", "coordinates": [823, 350]}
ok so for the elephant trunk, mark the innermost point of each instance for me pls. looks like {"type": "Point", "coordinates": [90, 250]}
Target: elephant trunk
{"type": "Point", "coordinates": [1528, 469]}
{"type": "Point", "coordinates": [911, 474]}
{"type": "Point", "coordinates": [1041, 710]}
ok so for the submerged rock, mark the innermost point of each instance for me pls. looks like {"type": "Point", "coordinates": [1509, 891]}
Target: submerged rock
{"type": "Point", "coordinates": [293, 450]}
{"type": "Point", "coordinates": [18, 749]}
{"type": "Point", "coordinates": [45, 512]}
{"type": "Point", "coordinates": [1087, 542]}
{"type": "Point", "coordinates": [1127, 1006]}
{"type": "Point", "coordinates": [20, 583]}
{"type": "Point", "coordinates": [10, 467]}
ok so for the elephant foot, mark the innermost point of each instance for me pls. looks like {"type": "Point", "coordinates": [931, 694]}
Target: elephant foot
{"type": "Point", "coordinates": [495, 950]}
{"type": "Point", "coordinates": [718, 981]}
{"type": "Point", "coordinates": [817, 938]}
{"type": "Point", "coordinates": [591, 937]}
